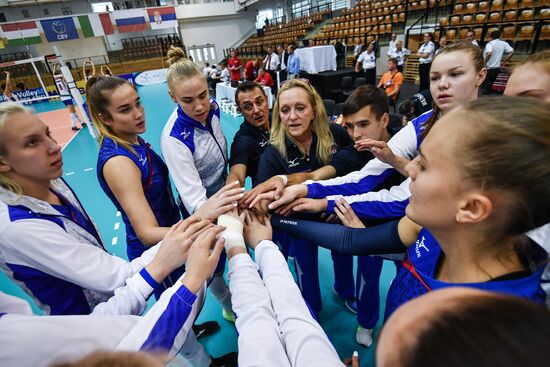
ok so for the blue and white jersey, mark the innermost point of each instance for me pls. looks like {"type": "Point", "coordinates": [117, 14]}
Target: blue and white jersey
{"type": "Point", "coordinates": [55, 254]}
{"type": "Point", "coordinates": [30, 340]}
{"type": "Point", "coordinates": [357, 185]}
{"type": "Point", "coordinates": [155, 182]}
{"type": "Point", "coordinates": [62, 87]}
{"type": "Point", "coordinates": [196, 155]}
{"type": "Point", "coordinates": [417, 276]}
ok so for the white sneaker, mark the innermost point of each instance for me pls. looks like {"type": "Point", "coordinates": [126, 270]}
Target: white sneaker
{"type": "Point", "coordinates": [364, 336]}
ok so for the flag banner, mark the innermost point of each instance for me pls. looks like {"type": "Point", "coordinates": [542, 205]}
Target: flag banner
{"type": "Point", "coordinates": [2, 44]}
{"type": "Point", "coordinates": [132, 20]}
{"type": "Point", "coordinates": [160, 18]}
{"type": "Point", "coordinates": [59, 29]}
{"type": "Point", "coordinates": [107, 23]}
{"type": "Point", "coordinates": [92, 26]}
{"type": "Point", "coordinates": [22, 33]}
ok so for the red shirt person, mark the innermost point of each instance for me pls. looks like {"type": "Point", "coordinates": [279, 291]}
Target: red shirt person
{"type": "Point", "coordinates": [251, 69]}
{"type": "Point", "coordinates": [265, 79]}
{"type": "Point", "coordinates": [234, 65]}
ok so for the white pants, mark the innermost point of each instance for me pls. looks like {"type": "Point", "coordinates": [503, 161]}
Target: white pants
{"type": "Point", "coordinates": [274, 324]}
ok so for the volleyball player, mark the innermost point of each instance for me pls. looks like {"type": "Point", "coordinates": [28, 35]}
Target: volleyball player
{"type": "Point", "coordinates": [65, 96]}
{"type": "Point", "coordinates": [7, 89]}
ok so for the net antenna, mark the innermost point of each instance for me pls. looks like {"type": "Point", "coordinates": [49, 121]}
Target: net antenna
{"type": "Point", "coordinates": [51, 61]}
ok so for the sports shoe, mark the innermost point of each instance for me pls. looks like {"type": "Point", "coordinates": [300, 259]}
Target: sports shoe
{"type": "Point", "coordinates": [364, 336]}
{"type": "Point", "coordinates": [206, 328]}
{"type": "Point", "coordinates": [351, 305]}
{"type": "Point", "coordinates": [74, 128]}
{"type": "Point", "coordinates": [227, 360]}
{"type": "Point", "coordinates": [228, 315]}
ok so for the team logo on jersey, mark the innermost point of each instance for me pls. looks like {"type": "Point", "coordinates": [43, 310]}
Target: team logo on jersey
{"type": "Point", "coordinates": [293, 163]}
{"type": "Point", "coordinates": [264, 142]}
{"type": "Point", "coordinates": [185, 134]}
{"type": "Point", "coordinates": [142, 160]}
{"type": "Point", "coordinates": [333, 149]}
{"type": "Point", "coordinates": [420, 244]}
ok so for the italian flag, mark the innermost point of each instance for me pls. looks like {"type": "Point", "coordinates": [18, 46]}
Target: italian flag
{"type": "Point", "coordinates": [22, 33]}
{"type": "Point", "coordinates": [95, 25]}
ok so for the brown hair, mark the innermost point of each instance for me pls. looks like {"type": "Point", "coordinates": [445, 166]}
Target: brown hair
{"type": "Point", "coordinates": [476, 56]}
{"type": "Point", "coordinates": [319, 124]}
{"type": "Point", "coordinates": [180, 67]}
{"type": "Point", "coordinates": [98, 92]}
{"type": "Point", "coordinates": [486, 330]}
{"type": "Point", "coordinates": [507, 149]}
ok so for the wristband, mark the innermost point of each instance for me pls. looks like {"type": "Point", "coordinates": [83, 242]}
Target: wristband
{"type": "Point", "coordinates": [284, 179]}
{"type": "Point", "coordinates": [233, 233]}
{"type": "Point", "coordinates": [148, 278]}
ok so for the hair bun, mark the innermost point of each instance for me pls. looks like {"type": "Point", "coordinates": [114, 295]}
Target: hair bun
{"type": "Point", "coordinates": [175, 54]}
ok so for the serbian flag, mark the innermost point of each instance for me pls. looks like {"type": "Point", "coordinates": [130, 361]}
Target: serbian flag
{"type": "Point", "coordinates": [132, 20]}
{"type": "Point", "coordinates": [162, 17]}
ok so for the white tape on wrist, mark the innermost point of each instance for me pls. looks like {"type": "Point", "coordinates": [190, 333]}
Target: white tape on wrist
{"type": "Point", "coordinates": [284, 179]}
{"type": "Point", "coordinates": [233, 233]}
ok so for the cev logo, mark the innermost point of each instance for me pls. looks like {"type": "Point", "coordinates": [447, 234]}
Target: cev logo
{"type": "Point", "coordinates": [61, 30]}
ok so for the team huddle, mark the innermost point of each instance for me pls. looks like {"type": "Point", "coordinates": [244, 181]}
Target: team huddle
{"type": "Point", "coordinates": [458, 199]}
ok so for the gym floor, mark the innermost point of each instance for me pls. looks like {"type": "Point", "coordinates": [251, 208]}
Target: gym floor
{"type": "Point", "coordinates": [80, 158]}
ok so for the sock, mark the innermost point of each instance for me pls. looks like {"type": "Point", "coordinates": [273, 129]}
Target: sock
{"type": "Point", "coordinates": [233, 233]}
{"type": "Point", "coordinates": [73, 119]}
{"type": "Point", "coordinates": [220, 291]}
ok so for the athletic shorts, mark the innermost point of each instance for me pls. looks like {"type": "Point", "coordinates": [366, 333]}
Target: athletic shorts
{"type": "Point", "coordinates": [68, 102]}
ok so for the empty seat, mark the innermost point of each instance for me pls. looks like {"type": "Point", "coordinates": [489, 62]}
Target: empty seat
{"type": "Point", "coordinates": [471, 8]}
{"type": "Point", "coordinates": [329, 106]}
{"type": "Point", "coordinates": [423, 4]}
{"type": "Point", "coordinates": [494, 17]}
{"type": "Point", "coordinates": [388, 28]}
{"type": "Point", "coordinates": [481, 18]}
{"type": "Point", "coordinates": [497, 5]}
{"type": "Point", "coordinates": [462, 33]}
{"type": "Point", "coordinates": [478, 32]}
{"type": "Point", "coordinates": [483, 6]}
{"type": "Point", "coordinates": [510, 15]}
{"type": "Point", "coordinates": [511, 4]}
{"type": "Point", "coordinates": [531, 3]}
{"type": "Point", "coordinates": [455, 20]}
{"type": "Point", "coordinates": [450, 34]}
{"type": "Point", "coordinates": [527, 14]}
{"type": "Point", "coordinates": [443, 22]}
{"type": "Point", "coordinates": [458, 9]}
{"type": "Point", "coordinates": [467, 19]}
{"type": "Point", "coordinates": [509, 32]}
{"type": "Point", "coordinates": [526, 32]}
{"type": "Point", "coordinates": [545, 32]}
{"type": "Point", "coordinates": [401, 17]}
{"type": "Point", "coordinates": [544, 13]}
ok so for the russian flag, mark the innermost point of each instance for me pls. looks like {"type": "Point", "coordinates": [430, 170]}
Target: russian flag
{"type": "Point", "coordinates": [132, 20]}
{"type": "Point", "coordinates": [162, 17]}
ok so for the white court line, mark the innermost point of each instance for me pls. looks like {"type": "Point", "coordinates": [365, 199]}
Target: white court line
{"type": "Point", "coordinates": [88, 169]}
{"type": "Point", "coordinates": [114, 242]}
{"type": "Point", "coordinates": [71, 139]}
{"type": "Point", "coordinates": [117, 225]}
{"type": "Point", "coordinates": [69, 173]}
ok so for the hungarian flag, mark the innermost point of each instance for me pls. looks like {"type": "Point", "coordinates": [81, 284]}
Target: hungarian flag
{"type": "Point", "coordinates": [162, 17]}
{"type": "Point", "coordinates": [22, 33]}
{"type": "Point", "coordinates": [132, 20]}
{"type": "Point", "coordinates": [95, 25]}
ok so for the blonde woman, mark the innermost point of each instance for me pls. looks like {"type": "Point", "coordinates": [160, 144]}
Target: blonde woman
{"type": "Point", "coordinates": [301, 141]}
{"type": "Point", "coordinates": [195, 151]}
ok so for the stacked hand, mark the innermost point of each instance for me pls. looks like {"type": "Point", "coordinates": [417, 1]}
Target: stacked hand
{"type": "Point", "coordinates": [221, 202]}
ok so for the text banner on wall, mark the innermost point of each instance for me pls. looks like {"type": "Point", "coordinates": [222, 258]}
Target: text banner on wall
{"type": "Point", "coordinates": [60, 29]}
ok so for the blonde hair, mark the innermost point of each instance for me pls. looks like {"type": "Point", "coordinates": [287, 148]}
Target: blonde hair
{"type": "Point", "coordinates": [541, 59]}
{"type": "Point", "coordinates": [180, 67]}
{"type": "Point", "coordinates": [6, 111]}
{"type": "Point", "coordinates": [98, 92]}
{"type": "Point", "coordinates": [319, 124]}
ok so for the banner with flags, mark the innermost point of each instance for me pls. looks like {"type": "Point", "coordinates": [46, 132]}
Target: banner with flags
{"type": "Point", "coordinates": [160, 18]}
{"type": "Point", "coordinates": [95, 25]}
{"type": "Point", "coordinates": [21, 33]}
{"type": "Point", "coordinates": [132, 20]}
{"type": "Point", "coordinates": [59, 29]}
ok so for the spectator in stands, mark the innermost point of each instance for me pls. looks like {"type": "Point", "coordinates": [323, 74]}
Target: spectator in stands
{"type": "Point", "coordinates": [400, 54]}
{"type": "Point", "coordinates": [357, 50]}
{"type": "Point", "coordinates": [442, 44]}
{"type": "Point", "coordinates": [471, 36]}
{"type": "Point", "coordinates": [293, 63]}
{"type": "Point", "coordinates": [264, 78]}
{"type": "Point", "coordinates": [106, 71]}
{"type": "Point", "coordinates": [493, 55]}
{"type": "Point", "coordinates": [426, 54]}
{"type": "Point", "coordinates": [393, 42]}
{"type": "Point", "coordinates": [234, 65]}
{"type": "Point", "coordinates": [367, 62]}
{"type": "Point", "coordinates": [87, 73]}
{"type": "Point", "coordinates": [271, 62]}
{"type": "Point", "coordinates": [340, 49]}
{"type": "Point", "coordinates": [251, 69]}
{"type": "Point", "coordinates": [391, 82]}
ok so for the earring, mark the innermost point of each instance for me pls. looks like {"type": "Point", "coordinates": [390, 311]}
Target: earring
{"type": "Point", "coordinates": [458, 218]}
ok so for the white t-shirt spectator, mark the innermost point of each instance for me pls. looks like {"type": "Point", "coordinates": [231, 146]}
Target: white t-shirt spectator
{"type": "Point", "coordinates": [426, 48]}
{"type": "Point", "coordinates": [497, 48]}
{"type": "Point", "coordinates": [225, 76]}
{"type": "Point", "coordinates": [271, 62]}
{"type": "Point", "coordinates": [400, 55]}
{"type": "Point", "coordinates": [369, 60]}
